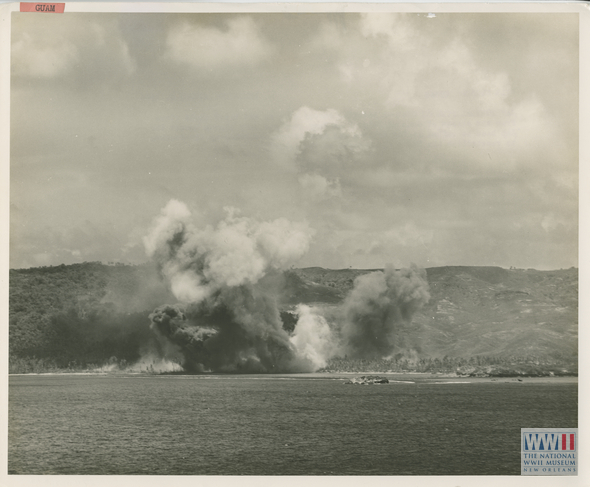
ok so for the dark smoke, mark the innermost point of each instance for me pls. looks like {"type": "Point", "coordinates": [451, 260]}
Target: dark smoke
{"type": "Point", "coordinates": [180, 340]}
{"type": "Point", "coordinates": [379, 309]}
{"type": "Point", "coordinates": [239, 329]}
{"type": "Point", "coordinates": [226, 276]}
{"type": "Point", "coordinates": [236, 330]}
{"type": "Point", "coordinates": [231, 321]}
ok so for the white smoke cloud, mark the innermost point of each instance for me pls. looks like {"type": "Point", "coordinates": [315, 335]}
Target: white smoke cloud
{"type": "Point", "coordinates": [185, 284]}
{"type": "Point", "coordinates": [239, 250]}
{"type": "Point", "coordinates": [374, 321]}
{"type": "Point", "coordinates": [283, 242]}
{"type": "Point", "coordinates": [172, 220]}
{"type": "Point", "coordinates": [154, 364]}
{"type": "Point", "coordinates": [379, 309]}
{"type": "Point", "coordinates": [312, 337]}
{"type": "Point", "coordinates": [232, 322]}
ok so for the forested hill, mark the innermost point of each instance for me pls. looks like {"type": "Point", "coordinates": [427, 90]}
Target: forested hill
{"type": "Point", "coordinates": [487, 314]}
{"type": "Point", "coordinates": [81, 315]}
{"type": "Point", "coordinates": [91, 314]}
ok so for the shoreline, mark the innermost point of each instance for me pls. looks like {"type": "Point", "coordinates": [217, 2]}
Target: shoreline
{"type": "Point", "coordinates": [394, 377]}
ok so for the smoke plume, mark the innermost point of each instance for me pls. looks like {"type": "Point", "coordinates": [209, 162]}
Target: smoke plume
{"type": "Point", "coordinates": [379, 309]}
{"type": "Point", "coordinates": [240, 250]}
{"type": "Point", "coordinates": [313, 337]}
{"type": "Point", "coordinates": [227, 279]}
{"type": "Point", "coordinates": [230, 321]}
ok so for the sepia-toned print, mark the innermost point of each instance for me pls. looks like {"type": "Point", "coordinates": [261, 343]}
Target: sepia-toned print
{"type": "Point", "coordinates": [304, 242]}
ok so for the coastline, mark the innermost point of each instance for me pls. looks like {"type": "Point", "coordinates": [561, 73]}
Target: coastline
{"type": "Point", "coordinates": [394, 377]}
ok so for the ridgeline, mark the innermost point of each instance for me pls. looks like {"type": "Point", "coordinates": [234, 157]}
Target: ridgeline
{"type": "Point", "coordinates": [479, 321]}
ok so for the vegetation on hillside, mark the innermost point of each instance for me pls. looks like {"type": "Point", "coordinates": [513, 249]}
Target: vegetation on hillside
{"type": "Point", "coordinates": [80, 316]}
{"type": "Point", "coordinates": [480, 366]}
{"type": "Point", "coordinates": [487, 311]}
{"type": "Point", "coordinates": [479, 320]}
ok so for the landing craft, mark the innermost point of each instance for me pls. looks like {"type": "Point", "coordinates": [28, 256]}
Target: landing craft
{"type": "Point", "coordinates": [368, 379]}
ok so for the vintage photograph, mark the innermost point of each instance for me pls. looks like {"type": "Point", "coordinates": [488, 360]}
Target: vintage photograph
{"type": "Point", "coordinates": [312, 242]}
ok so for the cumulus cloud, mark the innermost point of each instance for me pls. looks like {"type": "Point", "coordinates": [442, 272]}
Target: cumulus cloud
{"type": "Point", "coordinates": [390, 26]}
{"type": "Point", "coordinates": [441, 90]}
{"type": "Point", "coordinates": [51, 48]}
{"type": "Point", "coordinates": [317, 187]}
{"type": "Point", "coordinates": [477, 105]}
{"type": "Point", "coordinates": [365, 244]}
{"type": "Point", "coordinates": [413, 71]}
{"type": "Point", "coordinates": [42, 58]}
{"type": "Point", "coordinates": [334, 150]}
{"type": "Point", "coordinates": [304, 121]}
{"type": "Point", "coordinates": [462, 126]}
{"type": "Point", "coordinates": [404, 235]}
{"type": "Point", "coordinates": [319, 145]}
{"type": "Point", "coordinates": [208, 48]}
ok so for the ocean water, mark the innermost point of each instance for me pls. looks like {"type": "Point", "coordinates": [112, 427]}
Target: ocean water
{"type": "Point", "coordinates": [269, 425]}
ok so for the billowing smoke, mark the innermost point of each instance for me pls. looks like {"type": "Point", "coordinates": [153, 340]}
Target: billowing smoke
{"type": "Point", "coordinates": [313, 338]}
{"type": "Point", "coordinates": [373, 322]}
{"type": "Point", "coordinates": [238, 329]}
{"type": "Point", "coordinates": [227, 278]}
{"type": "Point", "coordinates": [379, 310]}
{"type": "Point", "coordinates": [179, 341]}
{"type": "Point", "coordinates": [240, 250]}
{"type": "Point", "coordinates": [230, 321]}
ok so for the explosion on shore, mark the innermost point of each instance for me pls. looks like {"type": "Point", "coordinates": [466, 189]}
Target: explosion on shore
{"type": "Point", "coordinates": [379, 308]}
{"type": "Point", "coordinates": [229, 320]}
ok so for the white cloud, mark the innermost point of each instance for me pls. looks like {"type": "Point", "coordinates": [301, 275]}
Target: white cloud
{"type": "Point", "coordinates": [392, 26]}
{"type": "Point", "coordinates": [39, 57]}
{"type": "Point", "coordinates": [240, 44]}
{"type": "Point", "coordinates": [443, 93]}
{"type": "Point", "coordinates": [304, 121]}
{"type": "Point", "coordinates": [337, 147]}
{"type": "Point", "coordinates": [319, 145]}
{"type": "Point", "coordinates": [46, 245]}
{"type": "Point", "coordinates": [63, 46]}
{"type": "Point", "coordinates": [549, 222]}
{"type": "Point", "coordinates": [367, 245]}
{"type": "Point", "coordinates": [317, 187]}
{"type": "Point", "coordinates": [328, 37]}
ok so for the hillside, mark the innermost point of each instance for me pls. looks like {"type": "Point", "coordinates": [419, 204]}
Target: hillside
{"type": "Point", "coordinates": [485, 310]}
{"type": "Point", "coordinates": [486, 316]}
{"type": "Point", "coordinates": [91, 314]}
{"type": "Point", "coordinates": [505, 313]}
{"type": "Point", "coordinates": [80, 315]}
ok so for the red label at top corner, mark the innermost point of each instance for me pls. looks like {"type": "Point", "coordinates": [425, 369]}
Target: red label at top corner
{"type": "Point", "coordinates": [55, 8]}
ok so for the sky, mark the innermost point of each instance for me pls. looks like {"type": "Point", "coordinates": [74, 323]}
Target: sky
{"type": "Point", "coordinates": [395, 138]}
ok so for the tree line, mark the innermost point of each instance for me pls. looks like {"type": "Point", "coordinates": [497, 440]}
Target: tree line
{"type": "Point", "coordinates": [478, 366]}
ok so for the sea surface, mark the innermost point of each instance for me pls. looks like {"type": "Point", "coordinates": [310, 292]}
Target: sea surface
{"type": "Point", "coordinates": [277, 425]}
